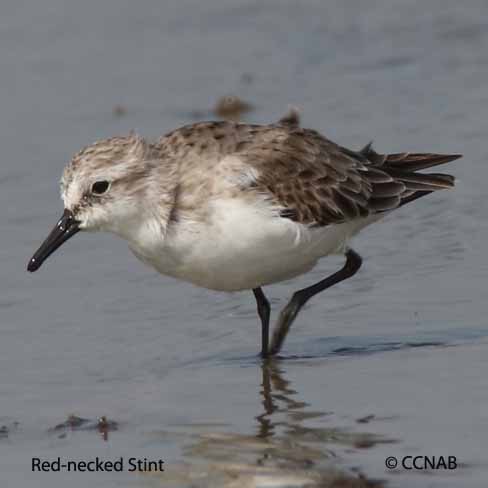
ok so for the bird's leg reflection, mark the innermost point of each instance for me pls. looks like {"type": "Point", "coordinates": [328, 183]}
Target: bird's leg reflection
{"type": "Point", "coordinates": [291, 445]}
{"type": "Point", "coordinates": [265, 428]}
{"type": "Point", "coordinates": [282, 417]}
{"type": "Point", "coordinates": [276, 393]}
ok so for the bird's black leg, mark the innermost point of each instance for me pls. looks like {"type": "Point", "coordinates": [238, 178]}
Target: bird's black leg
{"type": "Point", "coordinates": [264, 311]}
{"type": "Point", "coordinates": [299, 298]}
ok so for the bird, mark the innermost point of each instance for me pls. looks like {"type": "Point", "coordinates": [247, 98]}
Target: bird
{"type": "Point", "coordinates": [234, 206]}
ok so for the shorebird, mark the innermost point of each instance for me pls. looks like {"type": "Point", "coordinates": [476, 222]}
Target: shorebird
{"type": "Point", "coordinates": [232, 207]}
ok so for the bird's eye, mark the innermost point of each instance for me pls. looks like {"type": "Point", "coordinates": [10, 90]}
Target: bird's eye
{"type": "Point", "coordinates": [100, 187]}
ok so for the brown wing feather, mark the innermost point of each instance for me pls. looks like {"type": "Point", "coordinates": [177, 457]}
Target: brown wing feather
{"type": "Point", "coordinates": [318, 182]}
{"type": "Point", "coordinates": [311, 177]}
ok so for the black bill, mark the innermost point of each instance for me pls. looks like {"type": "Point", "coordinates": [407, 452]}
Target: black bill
{"type": "Point", "coordinates": [65, 228]}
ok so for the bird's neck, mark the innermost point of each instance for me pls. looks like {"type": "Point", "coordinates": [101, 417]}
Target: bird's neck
{"type": "Point", "coordinates": [147, 228]}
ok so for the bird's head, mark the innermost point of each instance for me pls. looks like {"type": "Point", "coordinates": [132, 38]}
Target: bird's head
{"type": "Point", "coordinates": [104, 187]}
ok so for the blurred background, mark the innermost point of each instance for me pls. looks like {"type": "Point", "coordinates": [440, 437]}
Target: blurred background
{"type": "Point", "coordinates": [392, 362]}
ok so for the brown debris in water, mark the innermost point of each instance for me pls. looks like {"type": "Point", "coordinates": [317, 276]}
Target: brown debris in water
{"type": "Point", "coordinates": [119, 111]}
{"type": "Point", "coordinates": [230, 107]}
{"type": "Point", "coordinates": [4, 431]}
{"type": "Point", "coordinates": [366, 419]}
{"type": "Point", "coordinates": [7, 429]}
{"type": "Point", "coordinates": [72, 422]}
{"type": "Point", "coordinates": [103, 425]}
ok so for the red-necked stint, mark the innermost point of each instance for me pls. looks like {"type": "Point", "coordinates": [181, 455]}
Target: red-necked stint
{"type": "Point", "coordinates": [231, 206]}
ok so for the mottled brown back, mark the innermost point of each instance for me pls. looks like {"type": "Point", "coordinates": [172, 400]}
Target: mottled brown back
{"type": "Point", "coordinates": [316, 181]}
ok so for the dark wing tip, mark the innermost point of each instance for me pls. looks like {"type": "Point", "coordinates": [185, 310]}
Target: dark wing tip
{"type": "Point", "coordinates": [366, 149]}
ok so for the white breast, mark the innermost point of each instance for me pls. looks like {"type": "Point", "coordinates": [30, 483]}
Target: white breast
{"type": "Point", "coordinates": [243, 245]}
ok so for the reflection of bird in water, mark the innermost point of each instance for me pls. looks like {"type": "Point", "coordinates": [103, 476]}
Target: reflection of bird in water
{"type": "Point", "coordinates": [285, 451]}
{"type": "Point", "coordinates": [275, 391]}
{"type": "Point", "coordinates": [284, 418]}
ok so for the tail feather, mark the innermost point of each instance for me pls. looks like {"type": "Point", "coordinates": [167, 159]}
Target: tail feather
{"type": "Point", "coordinates": [422, 181]}
{"type": "Point", "coordinates": [413, 196]}
{"type": "Point", "coordinates": [402, 168]}
{"type": "Point", "coordinates": [418, 161]}
{"type": "Point", "coordinates": [407, 161]}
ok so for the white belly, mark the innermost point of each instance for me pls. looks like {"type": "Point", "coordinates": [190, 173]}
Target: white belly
{"type": "Point", "coordinates": [244, 247]}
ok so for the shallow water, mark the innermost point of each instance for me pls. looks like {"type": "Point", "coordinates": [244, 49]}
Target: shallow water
{"type": "Point", "coordinates": [392, 362]}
